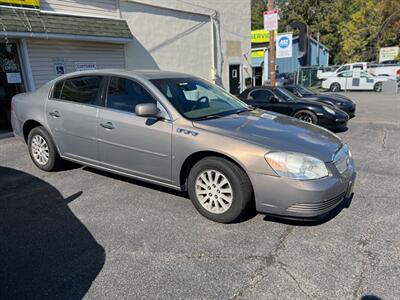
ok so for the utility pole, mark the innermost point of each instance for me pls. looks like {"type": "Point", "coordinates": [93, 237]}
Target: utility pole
{"type": "Point", "coordinates": [272, 54]}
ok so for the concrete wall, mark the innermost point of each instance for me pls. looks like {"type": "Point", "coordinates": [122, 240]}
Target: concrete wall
{"type": "Point", "coordinates": [177, 35]}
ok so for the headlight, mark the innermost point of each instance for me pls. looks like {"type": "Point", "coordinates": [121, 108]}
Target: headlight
{"type": "Point", "coordinates": [329, 110]}
{"type": "Point", "coordinates": [296, 165]}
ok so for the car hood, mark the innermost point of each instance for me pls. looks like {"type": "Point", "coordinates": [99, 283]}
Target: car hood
{"type": "Point", "coordinates": [330, 98]}
{"type": "Point", "coordinates": [276, 132]}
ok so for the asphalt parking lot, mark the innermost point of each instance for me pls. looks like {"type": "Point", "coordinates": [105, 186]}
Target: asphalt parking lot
{"type": "Point", "coordinates": [85, 233]}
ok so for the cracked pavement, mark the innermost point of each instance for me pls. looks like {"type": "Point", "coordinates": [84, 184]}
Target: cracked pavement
{"type": "Point", "coordinates": [85, 233]}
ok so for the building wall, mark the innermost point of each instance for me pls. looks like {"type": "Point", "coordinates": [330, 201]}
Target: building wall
{"type": "Point", "coordinates": [167, 39]}
{"type": "Point", "coordinates": [177, 35]}
{"type": "Point", "coordinates": [100, 8]}
{"type": "Point", "coordinates": [44, 54]}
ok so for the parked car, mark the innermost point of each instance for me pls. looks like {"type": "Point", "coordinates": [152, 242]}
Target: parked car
{"type": "Point", "coordinates": [184, 133]}
{"type": "Point", "coordinates": [346, 81]}
{"type": "Point", "coordinates": [339, 101]}
{"type": "Point", "coordinates": [390, 71]}
{"type": "Point", "coordinates": [280, 100]}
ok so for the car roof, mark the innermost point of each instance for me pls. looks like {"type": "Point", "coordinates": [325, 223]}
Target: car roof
{"type": "Point", "coordinates": [146, 74]}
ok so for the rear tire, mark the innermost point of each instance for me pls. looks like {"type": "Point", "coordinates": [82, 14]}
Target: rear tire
{"type": "Point", "coordinates": [42, 150]}
{"type": "Point", "coordinates": [378, 87]}
{"type": "Point", "coordinates": [306, 116]}
{"type": "Point", "coordinates": [219, 189]}
{"type": "Point", "coordinates": [335, 87]}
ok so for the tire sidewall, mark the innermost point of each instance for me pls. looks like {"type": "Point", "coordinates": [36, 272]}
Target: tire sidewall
{"type": "Point", "coordinates": [52, 150]}
{"type": "Point", "coordinates": [241, 194]}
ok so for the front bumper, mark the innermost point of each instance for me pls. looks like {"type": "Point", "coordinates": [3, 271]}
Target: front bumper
{"type": "Point", "coordinates": [350, 110]}
{"type": "Point", "coordinates": [333, 122]}
{"type": "Point", "coordinates": [302, 199]}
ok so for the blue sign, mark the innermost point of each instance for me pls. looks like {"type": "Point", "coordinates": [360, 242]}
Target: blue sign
{"type": "Point", "coordinates": [284, 42]}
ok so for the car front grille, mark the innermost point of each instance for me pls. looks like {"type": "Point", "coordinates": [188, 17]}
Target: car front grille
{"type": "Point", "coordinates": [316, 207]}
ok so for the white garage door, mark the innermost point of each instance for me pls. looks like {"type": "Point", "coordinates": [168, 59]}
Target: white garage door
{"type": "Point", "coordinates": [45, 55]}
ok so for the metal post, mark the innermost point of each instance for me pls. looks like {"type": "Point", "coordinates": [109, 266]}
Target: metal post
{"type": "Point", "coordinates": [272, 54]}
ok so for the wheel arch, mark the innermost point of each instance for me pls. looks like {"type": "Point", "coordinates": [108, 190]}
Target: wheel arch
{"type": "Point", "coordinates": [28, 126]}
{"type": "Point", "coordinates": [192, 159]}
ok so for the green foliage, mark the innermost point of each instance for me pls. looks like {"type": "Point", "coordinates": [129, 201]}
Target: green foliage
{"type": "Point", "coordinates": [352, 30]}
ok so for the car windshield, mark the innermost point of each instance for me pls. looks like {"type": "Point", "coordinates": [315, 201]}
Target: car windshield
{"type": "Point", "coordinates": [285, 94]}
{"type": "Point", "coordinates": [305, 91]}
{"type": "Point", "coordinates": [197, 99]}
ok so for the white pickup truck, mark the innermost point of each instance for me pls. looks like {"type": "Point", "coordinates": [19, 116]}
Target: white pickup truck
{"type": "Point", "coordinates": [382, 70]}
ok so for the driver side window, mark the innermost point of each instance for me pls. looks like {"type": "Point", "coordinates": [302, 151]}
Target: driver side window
{"type": "Point", "coordinates": [261, 95]}
{"type": "Point", "coordinates": [124, 94]}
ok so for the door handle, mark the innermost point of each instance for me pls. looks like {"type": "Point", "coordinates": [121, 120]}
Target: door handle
{"type": "Point", "coordinates": [107, 125]}
{"type": "Point", "coordinates": [55, 114]}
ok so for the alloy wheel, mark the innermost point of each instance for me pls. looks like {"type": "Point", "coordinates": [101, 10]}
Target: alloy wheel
{"type": "Point", "coordinates": [40, 150]}
{"type": "Point", "coordinates": [304, 116]}
{"type": "Point", "coordinates": [214, 191]}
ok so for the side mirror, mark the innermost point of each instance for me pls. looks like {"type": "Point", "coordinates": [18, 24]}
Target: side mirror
{"type": "Point", "coordinates": [250, 98]}
{"type": "Point", "coordinates": [147, 110]}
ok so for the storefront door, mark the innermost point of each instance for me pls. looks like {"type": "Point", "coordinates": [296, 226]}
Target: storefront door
{"type": "Point", "coordinates": [234, 79]}
{"type": "Point", "coordinates": [11, 80]}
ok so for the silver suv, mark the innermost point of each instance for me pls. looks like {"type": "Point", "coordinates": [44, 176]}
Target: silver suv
{"type": "Point", "coordinates": [185, 133]}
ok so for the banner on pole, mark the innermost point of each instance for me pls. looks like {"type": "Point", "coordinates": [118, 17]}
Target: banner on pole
{"type": "Point", "coordinates": [284, 45]}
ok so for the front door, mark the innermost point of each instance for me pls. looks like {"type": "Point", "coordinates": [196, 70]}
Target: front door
{"type": "Point", "coordinates": [234, 79]}
{"type": "Point", "coordinates": [11, 80]}
{"type": "Point", "coordinates": [129, 143]}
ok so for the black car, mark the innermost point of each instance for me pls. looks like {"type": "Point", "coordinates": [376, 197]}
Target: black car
{"type": "Point", "coordinates": [280, 100]}
{"type": "Point", "coordinates": [337, 100]}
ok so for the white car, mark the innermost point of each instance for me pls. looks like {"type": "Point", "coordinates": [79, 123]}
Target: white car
{"type": "Point", "coordinates": [392, 70]}
{"type": "Point", "coordinates": [347, 80]}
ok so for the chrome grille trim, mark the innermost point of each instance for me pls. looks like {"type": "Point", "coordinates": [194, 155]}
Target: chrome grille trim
{"type": "Point", "coordinates": [314, 207]}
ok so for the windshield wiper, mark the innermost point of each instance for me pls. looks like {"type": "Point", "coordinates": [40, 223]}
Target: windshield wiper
{"type": "Point", "coordinates": [208, 117]}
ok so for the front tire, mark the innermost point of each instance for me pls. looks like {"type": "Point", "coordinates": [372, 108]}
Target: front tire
{"type": "Point", "coordinates": [335, 87]}
{"type": "Point", "coordinates": [306, 116]}
{"type": "Point", "coordinates": [378, 87]}
{"type": "Point", "coordinates": [42, 149]}
{"type": "Point", "coordinates": [219, 189]}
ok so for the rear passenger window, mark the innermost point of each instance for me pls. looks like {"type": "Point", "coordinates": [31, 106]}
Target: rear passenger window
{"type": "Point", "coordinates": [57, 90]}
{"type": "Point", "coordinates": [84, 89]}
{"type": "Point", "coordinates": [124, 94]}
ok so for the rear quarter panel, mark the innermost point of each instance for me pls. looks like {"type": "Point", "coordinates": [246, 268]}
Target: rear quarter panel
{"type": "Point", "coordinates": [29, 106]}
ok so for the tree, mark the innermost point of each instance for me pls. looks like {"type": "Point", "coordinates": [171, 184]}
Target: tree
{"type": "Point", "coordinates": [352, 30]}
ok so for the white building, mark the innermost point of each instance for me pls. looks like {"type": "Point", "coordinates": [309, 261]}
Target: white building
{"type": "Point", "coordinates": [41, 39]}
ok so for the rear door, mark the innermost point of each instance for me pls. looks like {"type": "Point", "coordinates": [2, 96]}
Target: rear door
{"type": "Point", "coordinates": [72, 116]}
{"type": "Point", "coordinates": [129, 143]}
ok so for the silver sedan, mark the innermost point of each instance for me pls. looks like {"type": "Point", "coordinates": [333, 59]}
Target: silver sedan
{"type": "Point", "coordinates": [185, 133]}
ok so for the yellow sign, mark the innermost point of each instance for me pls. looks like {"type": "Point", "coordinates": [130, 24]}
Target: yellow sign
{"type": "Point", "coordinates": [257, 54]}
{"type": "Point", "coordinates": [21, 3]}
{"type": "Point", "coordinates": [260, 36]}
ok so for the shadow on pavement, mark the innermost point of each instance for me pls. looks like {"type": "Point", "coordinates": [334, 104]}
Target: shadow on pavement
{"type": "Point", "coordinates": [45, 251]}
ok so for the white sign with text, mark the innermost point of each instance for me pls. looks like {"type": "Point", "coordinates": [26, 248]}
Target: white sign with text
{"type": "Point", "coordinates": [284, 45]}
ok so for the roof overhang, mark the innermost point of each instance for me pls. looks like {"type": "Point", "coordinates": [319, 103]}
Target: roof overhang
{"type": "Point", "coordinates": [35, 24]}
{"type": "Point", "coordinates": [71, 37]}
